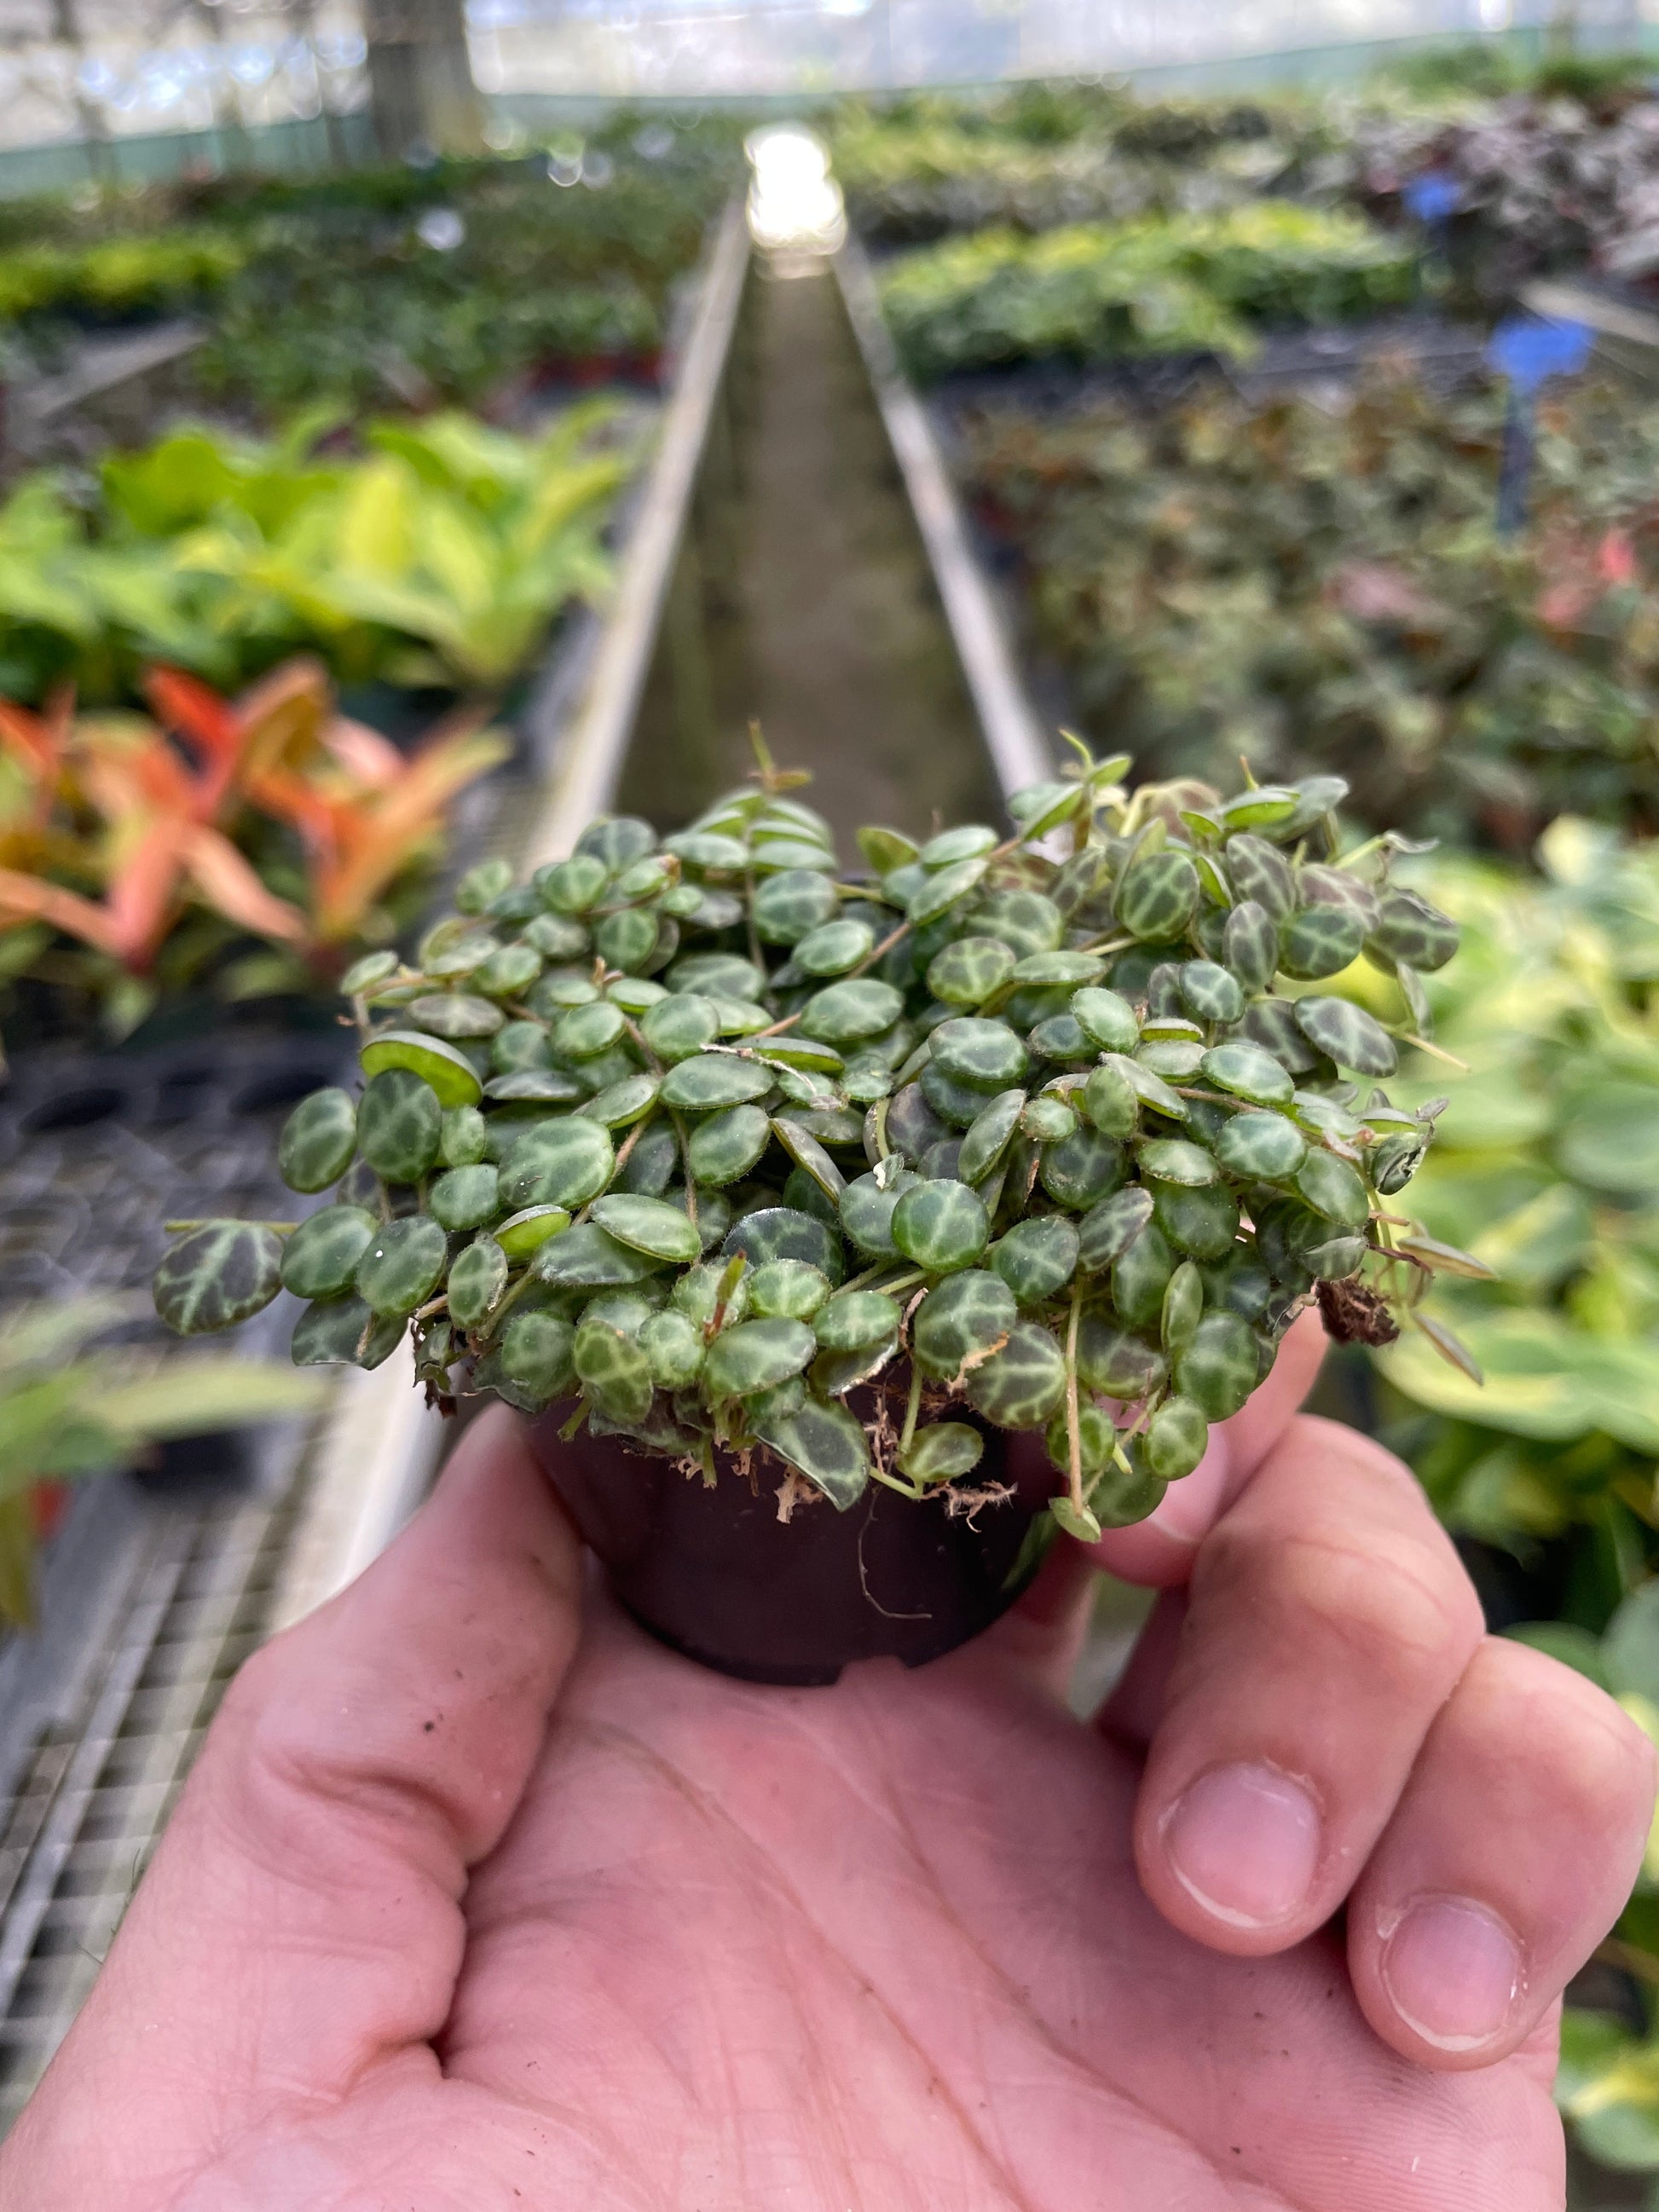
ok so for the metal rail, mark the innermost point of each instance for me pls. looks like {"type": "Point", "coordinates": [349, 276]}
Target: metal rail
{"type": "Point", "coordinates": [590, 757]}
{"type": "Point", "coordinates": [1013, 735]}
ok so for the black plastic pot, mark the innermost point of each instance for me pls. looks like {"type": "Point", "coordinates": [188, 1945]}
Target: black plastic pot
{"type": "Point", "coordinates": [715, 1574]}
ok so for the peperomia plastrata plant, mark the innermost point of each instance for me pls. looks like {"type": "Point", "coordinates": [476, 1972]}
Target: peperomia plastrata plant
{"type": "Point", "coordinates": [733, 1151]}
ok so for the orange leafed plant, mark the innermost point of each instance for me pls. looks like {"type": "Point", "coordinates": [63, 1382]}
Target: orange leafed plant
{"type": "Point", "coordinates": [113, 827]}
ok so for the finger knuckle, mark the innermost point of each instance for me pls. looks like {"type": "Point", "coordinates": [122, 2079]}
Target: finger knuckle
{"type": "Point", "coordinates": [1396, 1605]}
{"type": "Point", "coordinates": [1599, 1762]}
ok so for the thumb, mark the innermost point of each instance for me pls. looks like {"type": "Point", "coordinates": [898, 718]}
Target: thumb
{"type": "Point", "coordinates": [301, 1921]}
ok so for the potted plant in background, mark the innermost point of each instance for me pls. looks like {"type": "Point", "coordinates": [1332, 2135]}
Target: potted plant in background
{"type": "Point", "coordinates": [779, 1201]}
{"type": "Point", "coordinates": [253, 843]}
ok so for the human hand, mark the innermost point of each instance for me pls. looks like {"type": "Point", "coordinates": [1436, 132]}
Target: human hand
{"type": "Point", "coordinates": [479, 1901]}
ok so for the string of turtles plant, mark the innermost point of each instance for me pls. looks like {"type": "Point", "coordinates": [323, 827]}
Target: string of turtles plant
{"type": "Point", "coordinates": [740, 1153]}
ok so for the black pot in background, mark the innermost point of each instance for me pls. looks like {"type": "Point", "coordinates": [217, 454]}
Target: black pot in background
{"type": "Point", "coordinates": [715, 1574]}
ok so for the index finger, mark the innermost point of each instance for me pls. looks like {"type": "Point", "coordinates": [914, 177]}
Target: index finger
{"type": "Point", "coordinates": [1159, 1553]}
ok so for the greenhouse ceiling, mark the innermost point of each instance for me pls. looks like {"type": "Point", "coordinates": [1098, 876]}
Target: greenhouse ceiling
{"type": "Point", "coordinates": [105, 69]}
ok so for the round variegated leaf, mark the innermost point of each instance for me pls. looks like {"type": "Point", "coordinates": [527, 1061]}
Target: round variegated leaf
{"type": "Point", "coordinates": [1139, 1275]}
{"type": "Point", "coordinates": [363, 974]}
{"type": "Point", "coordinates": [1260, 875]}
{"type": "Point", "coordinates": [455, 1015]}
{"type": "Point", "coordinates": [1025, 921]}
{"type": "Point", "coordinates": [824, 1443]}
{"type": "Point", "coordinates": [1218, 1367]}
{"type": "Point", "coordinates": [1176, 1437]}
{"type": "Point", "coordinates": [1202, 1222]}
{"type": "Point", "coordinates": [942, 1451]}
{"type": "Point", "coordinates": [673, 1351]}
{"type": "Point", "coordinates": [318, 1139]}
{"type": "Point", "coordinates": [963, 1319]}
{"type": "Point", "coordinates": [1172, 1159]}
{"type": "Point", "coordinates": [587, 1258]}
{"type": "Point", "coordinates": [583, 1031]}
{"type": "Point", "coordinates": [1261, 1148]}
{"type": "Point", "coordinates": [1106, 1018]}
{"type": "Point", "coordinates": [1115, 1362]}
{"type": "Point", "coordinates": [1248, 1071]}
{"type": "Point", "coordinates": [791, 1289]}
{"type": "Point", "coordinates": [1209, 991]}
{"type": "Point", "coordinates": [1061, 1036]}
{"type": "Point", "coordinates": [1149, 1087]}
{"type": "Point", "coordinates": [809, 1155]}
{"type": "Point", "coordinates": [319, 1260]}
{"type": "Point", "coordinates": [866, 1212]}
{"type": "Point", "coordinates": [754, 1356]}
{"type": "Point", "coordinates": [555, 938]}
{"type": "Point", "coordinates": [613, 1367]}
{"type": "Point", "coordinates": [1082, 1168]}
{"type": "Point", "coordinates": [478, 1277]}
{"type": "Point", "coordinates": [1338, 887]}
{"type": "Point", "coordinates": [938, 893]}
{"type": "Point", "coordinates": [630, 939]}
{"type": "Point", "coordinates": [783, 1232]}
{"type": "Point", "coordinates": [1183, 1304]}
{"type": "Point", "coordinates": [1159, 894]}
{"type": "Point", "coordinates": [345, 1333]}
{"type": "Point", "coordinates": [536, 1356]}
{"type": "Point", "coordinates": [1272, 1024]}
{"type": "Point", "coordinates": [218, 1275]}
{"type": "Point", "coordinates": [966, 973]}
{"type": "Point", "coordinates": [1096, 1433]}
{"type": "Point", "coordinates": [988, 1135]}
{"type": "Point", "coordinates": [1056, 968]}
{"type": "Point", "coordinates": [1335, 1189]}
{"type": "Point", "coordinates": [466, 1138]}
{"type": "Point", "coordinates": [835, 948]}
{"type": "Point", "coordinates": [444, 1068]}
{"type": "Point", "coordinates": [793, 903]}
{"type": "Point", "coordinates": [854, 1320]}
{"type": "Point", "coordinates": [619, 1105]}
{"type": "Point", "coordinates": [1110, 1102]}
{"type": "Point", "coordinates": [399, 1123]}
{"type": "Point", "coordinates": [940, 1225]}
{"type": "Point", "coordinates": [850, 1012]}
{"type": "Point", "coordinates": [401, 1264]}
{"type": "Point", "coordinates": [678, 1027]}
{"type": "Point", "coordinates": [726, 1146]}
{"type": "Point", "coordinates": [1348, 1035]}
{"type": "Point", "coordinates": [1319, 940]}
{"type": "Point", "coordinates": [521, 1046]}
{"type": "Point", "coordinates": [573, 886]}
{"type": "Point", "coordinates": [716, 975]}
{"type": "Point", "coordinates": [957, 1103]}
{"type": "Point", "coordinates": [558, 1163]}
{"type": "Point", "coordinates": [1409, 929]}
{"type": "Point", "coordinates": [1037, 1257]}
{"type": "Point", "coordinates": [1249, 946]}
{"type": "Point", "coordinates": [1107, 1230]}
{"type": "Point", "coordinates": [1048, 1120]}
{"type": "Point", "coordinates": [984, 1054]}
{"type": "Point", "coordinates": [462, 1198]}
{"type": "Point", "coordinates": [969, 842]}
{"type": "Point", "coordinates": [648, 1224]}
{"type": "Point", "coordinates": [1395, 1160]}
{"type": "Point", "coordinates": [1020, 1387]}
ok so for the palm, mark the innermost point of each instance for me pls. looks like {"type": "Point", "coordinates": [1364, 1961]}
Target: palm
{"type": "Point", "coordinates": [884, 1946]}
{"type": "Point", "coordinates": [472, 1907]}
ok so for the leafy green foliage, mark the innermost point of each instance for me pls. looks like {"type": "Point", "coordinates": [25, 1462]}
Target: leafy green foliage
{"type": "Point", "coordinates": [437, 555]}
{"type": "Point", "coordinates": [1325, 591]}
{"type": "Point", "coordinates": [1199, 284]}
{"type": "Point", "coordinates": [675, 1205]}
{"type": "Point", "coordinates": [69, 1408]}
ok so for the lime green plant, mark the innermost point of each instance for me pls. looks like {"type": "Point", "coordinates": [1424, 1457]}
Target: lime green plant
{"type": "Point", "coordinates": [69, 1408]}
{"type": "Point", "coordinates": [439, 555]}
{"type": "Point", "coordinates": [704, 1136]}
{"type": "Point", "coordinates": [1203, 283]}
{"type": "Point", "coordinates": [1548, 1170]}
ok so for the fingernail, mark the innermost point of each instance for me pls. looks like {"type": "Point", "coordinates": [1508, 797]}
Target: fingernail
{"type": "Point", "coordinates": [1452, 1970]}
{"type": "Point", "coordinates": [1244, 1841]}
